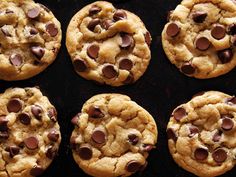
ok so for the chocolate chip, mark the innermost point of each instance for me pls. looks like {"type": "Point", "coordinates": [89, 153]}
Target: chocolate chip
{"type": "Point", "coordinates": [33, 31]}
{"type": "Point", "coordinates": [217, 136]}
{"type": "Point", "coordinates": [16, 59]}
{"type": "Point", "coordinates": [231, 100]}
{"type": "Point", "coordinates": [53, 135]}
{"type": "Point", "coordinates": [219, 155]}
{"type": "Point", "coordinates": [126, 64]}
{"type": "Point", "coordinates": [218, 32]}
{"type": "Point", "coordinates": [147, 147]}
{"type": "Point", "coordinates": [202, 43]}
{"type": "Point", "coordinates": [232, 29]}
{"type": "Point", "coordinates": [51, 152]}
{"type": "Point", "coordinates": [95, 112]}
{"type": "Point", "coordinates": [3, 123]}
{"type": "Point", "coordinates": [4, 135]}
{"type": "Point", "coordinates": [119, 15]}
{"type": "Point", "coordinates": [227, 124]}
{"type": "Point", "coordinates": [33, 13]}
{"type": "Point", "coordinates": [75, 119]}
{"type": "Point", "coordinates": [94, 10]}
{"type": "Point", "coordinates": [24, 118]}
{"type": "Point", "coordinates": [38, 51]}
{"type": "Point", "coordinates": [93, 23]}
{"type": "Point", "coordinates": [199, 16]}
{"type": "Point", "coordinates": [31, 143]}
{"type": "Point", "coordinates": [172, 30]}
{"type": "Point", "coordinates": [37, 111]}
{"type": "Point", "coordinates": [233, 40]}
{"type": "Point", "coordinates": [227, 116]}
{"type": "Point", "coordinates": [80, 65]}
{"type": "Point", "coordinates": [133, 166]}
{"type": "Point", "coordinates": [225, 56]}
{"type": "Point", "coordinates": [106, 24]}
{"type": "Point", "coordinates": [126, 40]}
{"type": "Point", "coordinates": [14, 105]}
{"type": "Point", "coordinates": [93, 51]}
{"type": "Point", "coordinates": [187, 68]}
{"type": "Point", "coordinates": [13, 150]}
{"type": "Point", "coordinates": [52, 114]}
{"type": "Point", "coordinates": [85, 152]}
{"type": "Point", "coordinates": [193, 131]}
{"type": "Point", "coordinates": [171, 134]}
{"type": "Point", "coordinates": [98, 136]}
{"type": "Point", "coordinates": [129, 79]}
{"type": "Point", "coordinates": [36, 171]}
{"type": "Point", "coordinates": [148, 38]}
{"type": "Point", "coordinates": [8, 11]}
{"type": "Point", "coordinates": [201, 154]}
{"type": "Point", "coordinates": [5, 32]}
{"type": "Point", "coordinates": [109, 71]}
{"type": "Point", "coordinates": [179, 113]}
{"type": "Point", "coordinates": [133, 139]}
{"type": "Point", "coordinates": [51, 29]}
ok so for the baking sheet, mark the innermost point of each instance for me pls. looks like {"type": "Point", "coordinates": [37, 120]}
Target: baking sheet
{"type": "Point", "coordinates": [159, 91]}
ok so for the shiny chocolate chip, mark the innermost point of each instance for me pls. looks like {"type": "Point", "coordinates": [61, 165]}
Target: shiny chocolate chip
{"type": "Point", "coordinates": [172, 30]}
{"type": "Point", "coordinates": [98, 137]}
{"type": "Point", "coordinates": [75, 119]}
{"type": "Point", "coordinates": [13, 150]}
{"type": "Point", "coordinates": [31, 143]}
{"type": "Point", "coordinates": [24, 118]}
{"type": "Point", "coordinates": [85, 152]}
{"type": "Point", "coordinates": [3, 123]}
{"type": "Point", "coordinates": [53, 135]}
{"type": "Point", "coordinates": [188, 68]}
{"type": "Point", "coordinates": [106, 24]}
{"type": "Point", "coordinates": [179, 113]}
{"type": "Point", "coordinates": [109, 71]}
{"type": "Point", "coordinates": [201, 154]}
{"type": "Point", "coordinates": [51, 152]}
{"type": "Point", "coordinates": [95, 112]}
{"type": "Point", "coordinates": [193, 131]}
{"type": "Point", "coordinates": [129, 79]}
{"type": "Point", "coordinates": [232, 29]}
{"type": "Point", "coordinates": [199, 16]}
{"type": "Point", "coordinates": [126, 40]}
{"type": "Point", "coordinates": [133, 139]}
{"type": "Point", "coordinates": [51, 29]}
{"type": "Point", "coordinates": [227, 124]}
{"type": "Point", "coordinates": [217, 136]}
{"type": "Point", "coordinates": [80, 65]}
{"type": "Point", "coordinates": [148, 38]}
{"type": "Point", "coordinates": [231, 100]}
{"type": "Point", "coordinates": [202, 43]}
{"type": "Point", "coordinates": [93, 51]}
{"type": "Point", "coordinates": [133, 166]}
{"type": "Point", "coordinates": [171, 134]}
{"type": "Point", "coordinates": [147, 147]}
{"type": "Point", "coordinates": [218, 31]}
{"type": "Point", "coordinates": [126, 64]}
{"type": "Point", "coordinates": [119, 15]}
{"type": "Point", "coordinates": [219, 155]}
{"type": "Point", "coordinates": [37, 111]}
{"type": "Point", "coordinates": [16, 59]}
{"type": "Point", "coordinates": [225, 55]}
{"type": "Point", "coordinates": [14, 105]}
{"type": "Point", "coordinates": [52, 114]}
{"type": "Point", "coordinates": [33, 31]}
{"type": "Point", "coordinates": [37, 51]}
{"type": "Point", "coordinates": [33, 13]}
{"type": "Point", "coordinates": [93, 23]}
{"type": "Point", "coordinates": [94, 10]}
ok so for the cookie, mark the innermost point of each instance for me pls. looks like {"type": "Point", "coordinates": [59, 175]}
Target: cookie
{"type": "Point", "coordinates": [29, 132]}
{"type": "Point", "coordinates": [30, 38]}
{"type": "Point", "coordinates": [108, 45]}
{"type": "Point", "coordinates": [200, 37]}
{"type": "Point", "coordinates": [112, 136]}
{"type": "Point", "coordinates": [201, 134]}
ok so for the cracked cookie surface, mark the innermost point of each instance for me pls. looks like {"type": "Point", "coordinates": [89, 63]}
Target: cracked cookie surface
{"type": "Point", "coordinates": [201, 134]}
{"type": "Point", "coordinates": [112, 136]}
{"type": "Point", "coordinates": [30, 38]}
{"type": "Point", "coordinates": [200, 37]}
{"type": "Point", "coordinates": [29, 132]}
{"type": "Point", "coordinates": [108, 45]}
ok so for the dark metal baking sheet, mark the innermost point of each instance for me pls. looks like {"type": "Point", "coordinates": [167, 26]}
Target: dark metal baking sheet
{"type": "Point", "coordinates": [159, 91]}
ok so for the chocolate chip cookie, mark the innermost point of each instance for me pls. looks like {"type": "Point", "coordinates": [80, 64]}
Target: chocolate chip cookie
{"type": "Point", "coordinates": [108, 45]}
{"type": "Point", "coordinates": [201, 134]}
{"type": "Point", "coordinates": [30, 37]}
{"type": "Point", "coordinates": [200, 37]}
{"type": "Point", "coordinates": [29, 132]}
{"type": "Point", "coordinates": [112, 136]}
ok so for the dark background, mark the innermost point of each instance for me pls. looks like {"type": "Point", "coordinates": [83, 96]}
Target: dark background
{"type": "Point", "coordinates": [159, 91]}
